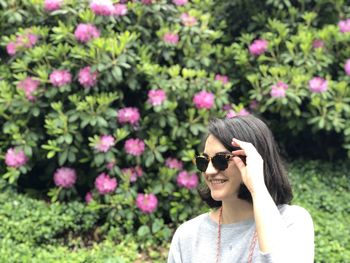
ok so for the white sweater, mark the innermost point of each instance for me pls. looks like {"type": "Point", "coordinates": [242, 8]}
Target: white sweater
{"type": "Point", "coordinates": [195, 241]}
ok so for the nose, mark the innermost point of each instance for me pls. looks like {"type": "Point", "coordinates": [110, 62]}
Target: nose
{"type": "Point", "coordinates": [211, 169]}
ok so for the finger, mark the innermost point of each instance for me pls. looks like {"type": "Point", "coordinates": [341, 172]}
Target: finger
{"type": "Point", "coordinates": [240, 164]}
{"type": "Point", "coordinates": [238, 152]}
{"type": "Point", "coordinates": [247, 146]}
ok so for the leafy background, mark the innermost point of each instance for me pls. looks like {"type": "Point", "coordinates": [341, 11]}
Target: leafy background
{"type": "Point", "coordinates": [62, 126]}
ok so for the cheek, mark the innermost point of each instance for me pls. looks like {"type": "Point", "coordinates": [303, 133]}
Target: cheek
{"type": "Point", "coordinates": [233, 171]}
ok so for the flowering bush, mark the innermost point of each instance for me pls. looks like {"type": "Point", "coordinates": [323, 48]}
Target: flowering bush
{"type": "Point", "coordinates": [121, 92]}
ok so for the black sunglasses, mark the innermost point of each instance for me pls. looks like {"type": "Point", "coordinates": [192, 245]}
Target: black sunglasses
{"type": "Point", "coordinates": [219, 161]}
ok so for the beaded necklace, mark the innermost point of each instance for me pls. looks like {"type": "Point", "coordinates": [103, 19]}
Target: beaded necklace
{"type": "Point", "coordinates": [251, 247]}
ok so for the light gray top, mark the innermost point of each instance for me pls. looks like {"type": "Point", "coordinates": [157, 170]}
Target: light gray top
{"type": "Point", "coordinates": [196, 240]}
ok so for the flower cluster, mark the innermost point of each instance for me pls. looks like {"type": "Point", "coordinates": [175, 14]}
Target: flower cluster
{"type": "Point", "coordinates": [318, 85]}
{"type": "Point", "coordinates": [59, 78]}
{"type": "Point", "coordinates": [156, 97]}
{"type": "Point", "coordinates": [85, 32]}
{"type": "Point", "coordinates": [107, 8]}
{"type": "Point", "coordinates": [65, 177]}
{"type": "Point", "coordinates": [87, 78]}
{"type": "Point", "coordinates": [347, 67]}
{"type": "Point", "coordinates": [187, 180]}
{"type": "Point", "coordinates": [134, 147]}
{"type": "Point", "coordinates": [52, 5]}
{"type": "Point", "coordinates": [105, 184]}
{"type": "Point", "coordinates": [174, 163]}
{"type": "Point", "coordinates": [29, 85]}
{"type": "Point", "coordinates": [26, 40]}
{"type": "Point", "coordinates": [204, 100]}
{"type": "Point", "coordinates": [133, 172]}
{"type": "Point", "coordinates": [129, 115]}
{"type": "Point", "coordinates": [180, 2]}
{"type": "Point", "coordinates": [171, 38]}
{"type": "Point", "coordinates": [188, 20]}
{"type": "Point", "coordinates": [279, 90]}
{"type": "Point", "coordinates": [344, 25]}
{"type": "Point", "coordinates": [230, 113]}
{"type": "Point", "coordinates": [258, 47]}
{"type": "Point", "coordinates": [15, 158]}
{"type": "Point", "coordinates": [222, 78]}
{"type": "Point", "coordinates": [147, 203]}
{"type": "Point", "coordinates": [105, 143]}
{"type": "Point", "coordinates": [317, 43]}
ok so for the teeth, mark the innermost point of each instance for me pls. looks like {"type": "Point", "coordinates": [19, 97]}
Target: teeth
{"type": "Point", "coordinates": [218, 181]}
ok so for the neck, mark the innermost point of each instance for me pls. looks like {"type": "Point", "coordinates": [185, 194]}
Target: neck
{"type": "Point", "coordinates": [236, 210]}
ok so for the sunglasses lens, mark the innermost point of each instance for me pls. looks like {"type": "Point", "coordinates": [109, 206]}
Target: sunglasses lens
{"type": "Point", "coordinates": [220, 162]}
{"type": "Point", "coordinates": [202, 163]}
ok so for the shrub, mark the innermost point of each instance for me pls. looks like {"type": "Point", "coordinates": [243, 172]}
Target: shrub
{"type": "Point", "coordinates": [97, 99]}
{"type": "Point", "coordinates": [325, 197]}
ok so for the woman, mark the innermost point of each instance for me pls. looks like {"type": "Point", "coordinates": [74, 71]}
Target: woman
{"type": "Point", "coordinates": [247, 185]}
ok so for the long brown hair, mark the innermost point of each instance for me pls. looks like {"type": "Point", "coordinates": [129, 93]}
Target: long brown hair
{"type": "Point", "coordinates": [252, 129]}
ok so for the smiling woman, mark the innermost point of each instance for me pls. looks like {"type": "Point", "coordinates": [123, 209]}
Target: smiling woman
{"type": "Point", "coordinates": [248, 187]}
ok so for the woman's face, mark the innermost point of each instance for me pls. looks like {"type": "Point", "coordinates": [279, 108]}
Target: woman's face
{"type": "Point", "coordinates": [223, 185]}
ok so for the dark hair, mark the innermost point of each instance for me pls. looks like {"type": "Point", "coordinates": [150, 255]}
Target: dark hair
{"type": "Point", "coordinates": [253, 130]}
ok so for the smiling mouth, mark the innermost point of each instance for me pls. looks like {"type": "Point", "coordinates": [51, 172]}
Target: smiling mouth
{"type": "Point", "coordinates": [218, 181]}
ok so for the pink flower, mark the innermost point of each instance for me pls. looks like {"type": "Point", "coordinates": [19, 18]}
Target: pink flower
{"type": "Point", "coordinates": [110, 165]}
{"type": "Point", "coordinates": [26, 40]}
{"type": "Point", "coordinates": [65, 177]}
{"type": "Point", "coordinates": [173, 163]}
{"type": "Point", "coordinates": [243, 112]}
{"type": "Point", "coordinates": [258, 47]}
{"type": "Point", "coordinates": [317, 43]}
{"type": "Point", "coordinates": [230, 114]}
{"type": "Point", "coordinates": [222, 78]}
{"type": "Point", "coordinates": [171, 38]}
{"type": "Point", "coordinates": [105, 184]}
{"type": "Point", "coordinates": [180, 2]}
{"type": "Point", "coordinates": [102, 7]}
{"type": "Point", "coordinates": [156, 97]}
{"type": "Point", "coordinates": [318, 85]}
{"type": "Point", "coordinates": [204, 100]}
{"type": "Point", "coordinates": [188, 20]}
{"type": "Point", "coordinates": [11, 48]}
{"type": "Point", "coordinates": [87, 78]}
{"type": "Point", "coordinates": [52, 5]}
{"type": "Point", "coordinates": [128, 115]}
{"type": "Point", "coordinates": [147, 203]}
{"type": "Point", "coordinates": [88, 197]}
{"type": "Point", "coordinates": [29, 86]}
{"type": "Point", "coordinates": [120, 10]}
{"type": "Point", "coordinates": [347, 67]}
{"type": "Point", "coordinates": [59, 78]}
{"type": "Point", "coordinates": [15, 158]}
{"type": "Point", "coordinates": [147, 2]}
{"type": "Point", "coordinates": [134, 147]}
{"type": "Point", "coordinates": [85, 32]}
{"type": "Point", "coordinates": [344, 25]}
{"type": "Point", "coordinates": [133, 172]}
{"type": "Point", "coordinates": [187, 180]}
{"type": "Point", "coordinates": [105, 143]}
{"type": "Point", "coordinates": [279, 90]}
{"type": "Point", "coordinates": [253, 105]}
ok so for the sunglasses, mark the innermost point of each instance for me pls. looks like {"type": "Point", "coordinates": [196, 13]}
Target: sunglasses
{"type": "Point", "coordinates": [219, 161]}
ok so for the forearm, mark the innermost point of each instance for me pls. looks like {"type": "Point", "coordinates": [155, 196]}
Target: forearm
{"type": "Point", "coordinates": [269, 224]}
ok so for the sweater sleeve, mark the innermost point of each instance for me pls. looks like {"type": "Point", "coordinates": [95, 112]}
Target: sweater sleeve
{"type": "Point", "coordinates": [298, 243]}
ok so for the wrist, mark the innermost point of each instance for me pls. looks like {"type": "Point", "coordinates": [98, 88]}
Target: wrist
{"type": "Point", "coordinates": [259, 192]}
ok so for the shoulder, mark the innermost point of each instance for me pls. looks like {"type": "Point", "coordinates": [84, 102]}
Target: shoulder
{"type": "Point", "coordinates": [191, 226]}
{"type": "Point", "coordinates": [295, 213]}
{"type": "Point", "coordinates": [193, 223]}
